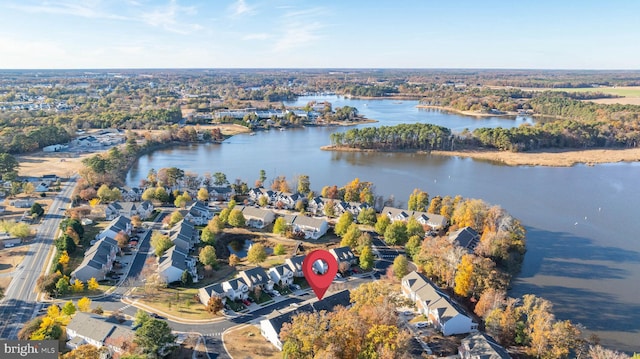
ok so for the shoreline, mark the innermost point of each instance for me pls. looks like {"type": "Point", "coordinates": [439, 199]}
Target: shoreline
{"type": "Point", "coordinates": [471, 113]}
{"type": "Point", "coordinates": [551, 158]}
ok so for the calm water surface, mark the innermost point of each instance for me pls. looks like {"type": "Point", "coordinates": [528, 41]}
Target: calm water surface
{"type": "Point", "coordinates": [582, 222]}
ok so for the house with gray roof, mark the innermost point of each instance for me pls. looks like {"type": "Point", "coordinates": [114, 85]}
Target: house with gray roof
{"type": "Point", "coordinates": [205, 293]}
{"type": "Point", "coordinates": [443, 312]}
{"type": "Point", "coordinates": [91, 329]}
{"type": "Point", "coordinates": [174, 262]}
{"type": "Point", "coordinates": [312, 228]}
{"type": "Point", "coordinates": [257, 217]}
{"type": "Point", "coordinates": [295, 264]}
{"type": "Point", "coordinates": [432, 220]}
{"type": "Point", "coordinates": [466, 238]}
{"type": "Point", "coordinates": [281, 275]}
{"type": "Point", "coordinates": [198, 213]}
{"type": "Point", "coordinates": [128, 209]}
{"type": "Point", "coordinates": [481, 346]}
{"type": "Point", "coordinates": [236, 289]}
{"type": "Point", "coordinates": [97, 261]}
{"type": "Point", "coordinates": [271, 326]}
{"type": "Point", "coordinates": [117, 225]}
{"type": "Point", "coordinates": [344, 255]}
{"type": "Point", "coordinates": [256, 277]}
{"type": "Point", "coordinates": [220, 193]}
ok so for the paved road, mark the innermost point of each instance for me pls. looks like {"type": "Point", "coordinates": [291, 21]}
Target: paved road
{"type": "Point", "coordinates": [19, 304]}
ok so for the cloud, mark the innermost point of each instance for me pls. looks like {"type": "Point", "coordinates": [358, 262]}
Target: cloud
{"type": "Point", "coordinates": [300, 28]}
{"type": "Point", "coordinates": [88, 9]}
{"type": "Point", "coordinates": [166, 17]}
{"type": "Point", "coordinates": [240, 8]}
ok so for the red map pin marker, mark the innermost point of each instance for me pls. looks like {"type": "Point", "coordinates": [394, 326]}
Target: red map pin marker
{"type": "Point", "coordinates": [319, 282]}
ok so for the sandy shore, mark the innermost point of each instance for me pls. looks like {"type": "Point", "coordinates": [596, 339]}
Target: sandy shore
{"type": "Point", "coordinates": [469, 113]}
{"type": "Point", "coordinates": [550, 158]}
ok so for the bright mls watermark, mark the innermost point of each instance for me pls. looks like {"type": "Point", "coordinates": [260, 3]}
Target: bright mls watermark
{"type": "Point", "coordinates": [32, 349]}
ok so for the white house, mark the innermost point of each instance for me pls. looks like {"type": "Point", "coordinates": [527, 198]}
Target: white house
{"type": "Point", "coordinates": [312, 228]}
{"type": "Point", "coordinates": [257, 217]}
{"type": "Point", "coordinates": [236, 289]}
{"type": "Point", "coordinates": [442, 311]}
{"type": "Point", "coordinates": [281, 275]}
{"type": "Point", "coordinates": [128, 209]}
{"type": "Point", "coordinates": [344, 255]}
{"type": "Point", "coordinates": [295, 264]}
{"type": "Point", "coordinates": [271, 326]}
{"type": "Point", "coordinates": [431, 220]}
{"type": "Point", "coordinates": [205, 293]}
{"type": "Point", "coordinates": [220, 193]}
{"type": "Point", "coordinates": [117, 225]}
{"type": "Point", "coordinates": [91, 329]}
{"type": "Point", "coordinates": [198, 213]}
{"type": "Point", "coordinates": [174, 262]}
{"type": "Point", "coordinates": [256, 277]}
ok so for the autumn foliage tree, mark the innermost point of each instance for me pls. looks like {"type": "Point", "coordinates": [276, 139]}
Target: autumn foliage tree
{"type": "Point", "coordinates": [214, 305]}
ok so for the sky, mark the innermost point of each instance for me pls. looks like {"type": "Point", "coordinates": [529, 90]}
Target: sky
{"type": "Point", "coordinates": [523, 34]}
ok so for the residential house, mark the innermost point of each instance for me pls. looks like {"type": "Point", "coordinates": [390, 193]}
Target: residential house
{"type": "Point", "coordinates": [256, 193]}
{"type": "Point", "coordinates": [256, 277]}
{"type": "Point", "coordinates": [198, 213]}
{"type": "Point", "coordinates": [271, 326]}
{"type": "Point", "coordinates": [42, 187]}
{"type": "Point", "coordinates": [481, 346]}
{"type": "Point", "coordinates": [85, 328]}
{"type": "Point", "coordinates": [257, 217]}
{"type": "Point", "coordinates": [22, 203]}
{"type": "Point", "coordinates": [221, 193]}
{"type": "Point", "coordinates": [316, 206]}
{"type": "Point", "coordinates": [312, 228]}
{"type": "Point", "coordinates": [344, 255]}
{"type": "Point", "coordinates": [184, 235]}
{"type": "Point", "coordinates": [236, 289]}
{"type": "Point", "coordinates": [97, 261]}
{"type": "Point", "coordinates": [117, 225]}
{"type": "Point", "coordinates": [281, 275]}
{"type": "Point", "coordinates": [466, 238]}
{"type": "Point", "coordinates": [86, 141]}
{"type": "Point", "coordinates": [443, 312]}
{"type": "Point", "coordinates": [431, 220]}
{"type": "Point", "coordinates": [128, 209]}
{"type": "Point", "coordinates": [131, 194]}
{"type": "Point", "coordinates": [295, 264]}
{"type": "Point", "coordinates": [174, 262]}
{"type": "Point", "coordinates": [205, 293]}
{"type": "Point", "coordinates": [288, 200]}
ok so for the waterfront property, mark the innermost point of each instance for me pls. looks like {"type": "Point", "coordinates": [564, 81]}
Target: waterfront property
{"type": "Point", "coordinates": [443, 312]}
{"type": "Point", "coordinates": [466, 238]}
{"type": "Point", "coordinates": [257, 217]}
{"type": "Point", "coordinates": [310, 227]}
{"type": "Point", "coordinates": [431, 220]}
{"type": "Point", "coordinates": [480, 345]}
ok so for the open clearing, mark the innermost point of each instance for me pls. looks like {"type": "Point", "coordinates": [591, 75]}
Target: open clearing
{"type": "Point", "coordinates": [631, 93]}
{"type": "Point", "coordinates": [247, 342]}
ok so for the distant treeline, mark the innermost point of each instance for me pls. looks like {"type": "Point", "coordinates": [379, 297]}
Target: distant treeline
{"type": "Point", "coordinates": [556, 134]}
{"type": "Point", "coordinates": [20, 140]}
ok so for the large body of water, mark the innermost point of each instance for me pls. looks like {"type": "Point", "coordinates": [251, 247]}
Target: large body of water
{"type": "Point", "coordinates": [583, 237]}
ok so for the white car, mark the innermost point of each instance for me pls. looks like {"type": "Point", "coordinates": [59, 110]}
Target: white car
{"type": "Point", "coordinates": [422, 324]}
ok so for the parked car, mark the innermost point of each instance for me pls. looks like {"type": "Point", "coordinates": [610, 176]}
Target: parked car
{"type": "Point", "coordinates": [154, 315]}
{"type": "Point", "coordinates": [246, 302]}
{"type": "Point", "coordinates": [422, 324]}
{"type": "Point", "coordinates": [294, 287]}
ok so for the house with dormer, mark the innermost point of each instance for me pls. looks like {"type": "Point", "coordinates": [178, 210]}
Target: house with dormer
{"type": "Point", "coordinates": [443, 312]}
{"type": "Point", "coordinates": [281, 275]}
{"type": "Point", "coordinates": [128, 209]}
{"type": "Point", "coordinates": [481, 346]}
{"type": "Point", "coordinates": [221, 193]}
{"type": "Point", "coordinates": [117, 225]}
{"type": "Point", "coordinates": [198, 213]}
{"type": "Point", "coordinates": [236, 289]}
{"type": "Point", "coordinates": [431, 220]}
{"type": "Point", "coordinates": [344, 255]}
{"type": "Point", "coordinates": [466, 238]}
{"type": "Point", "coordinates": [97, 261]}
{"type": "Point", "coordinates": [212, 290]}
{"type": "Point", "coordinates": [174, 262]}
{"type": "Point", "coordinates": [295, 264]}
{"type": "Point", "coordinates": [256, 278]}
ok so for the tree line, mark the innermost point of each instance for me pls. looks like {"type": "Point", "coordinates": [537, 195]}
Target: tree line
{"type": "Point", "coordinates": [417, 136]}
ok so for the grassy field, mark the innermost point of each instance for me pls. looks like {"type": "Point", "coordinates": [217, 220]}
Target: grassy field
{"type": "Point", "coordinates": [630, 91]}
